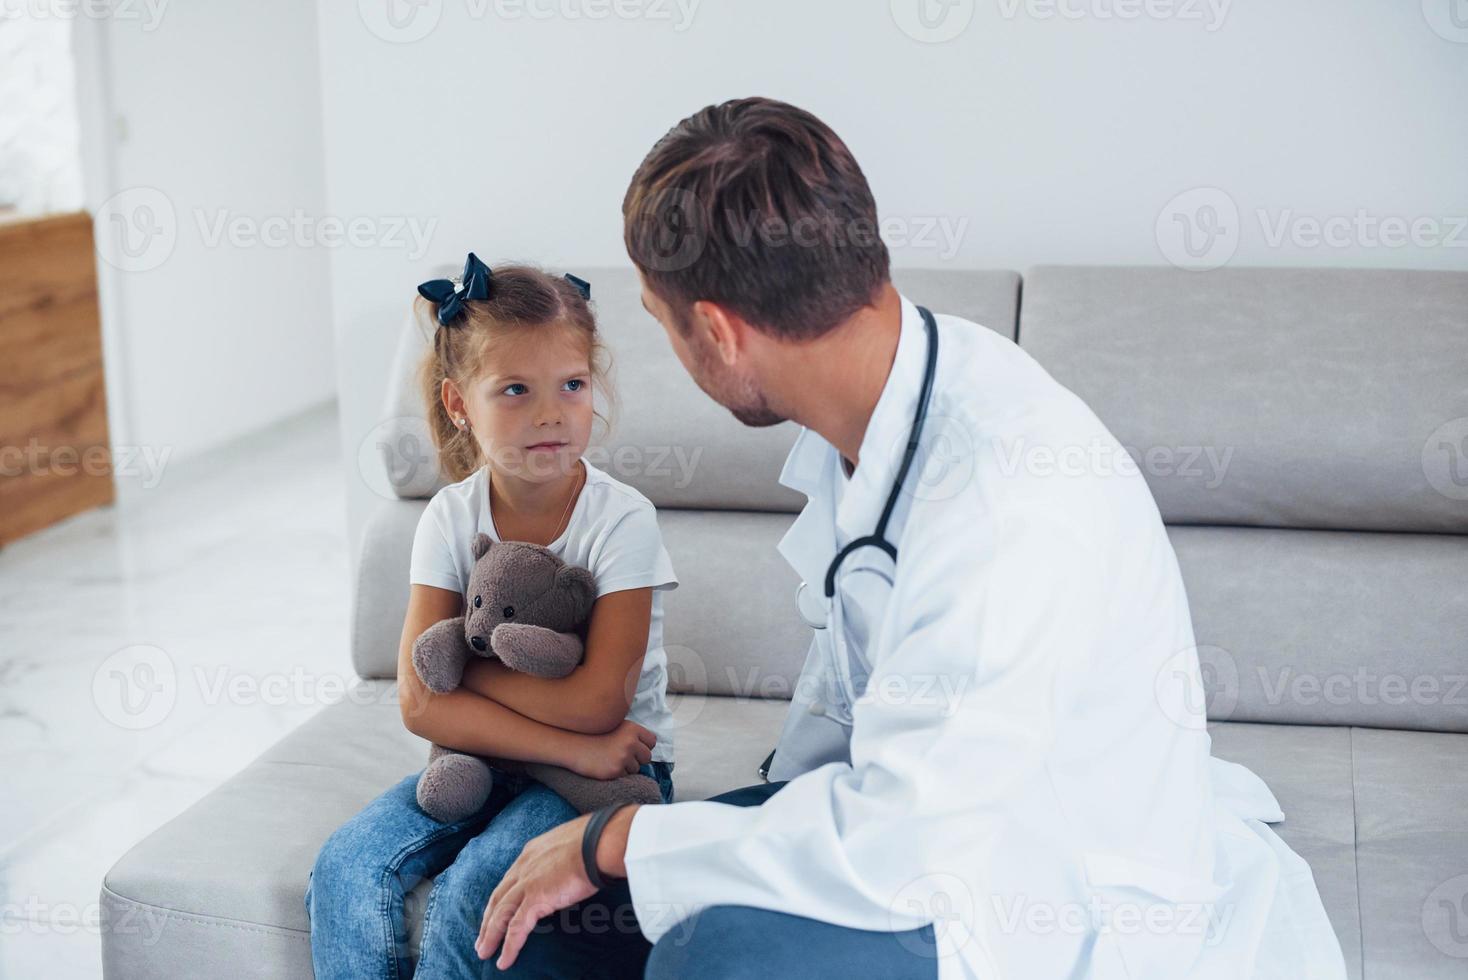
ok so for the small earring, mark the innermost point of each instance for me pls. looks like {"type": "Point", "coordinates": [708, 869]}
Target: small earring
{"type": "Point", "coordinates": [463, 423]}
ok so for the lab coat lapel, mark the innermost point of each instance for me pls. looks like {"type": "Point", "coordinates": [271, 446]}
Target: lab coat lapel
{"type": "Point", "coordinates": [805, 467]}
{"type": "Point", "coordinates": [810, 542]}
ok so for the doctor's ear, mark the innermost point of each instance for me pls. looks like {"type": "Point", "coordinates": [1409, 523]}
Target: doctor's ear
{"type": "Point", "coordinates": [721, 328]}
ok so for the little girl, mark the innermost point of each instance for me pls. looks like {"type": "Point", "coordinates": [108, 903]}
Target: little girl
{"type": "Point", "coordinates": [509, 381]}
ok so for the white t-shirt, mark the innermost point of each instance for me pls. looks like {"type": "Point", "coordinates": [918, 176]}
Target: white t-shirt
{"type": "Point", "coordinates": [613, 533]}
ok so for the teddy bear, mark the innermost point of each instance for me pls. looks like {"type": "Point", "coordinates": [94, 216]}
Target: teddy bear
{"type": "Point", "coordinates": [524, 607]}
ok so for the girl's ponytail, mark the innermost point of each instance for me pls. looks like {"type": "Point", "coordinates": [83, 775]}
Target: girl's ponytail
{"type": "Point", "coordinates": [458, 453]}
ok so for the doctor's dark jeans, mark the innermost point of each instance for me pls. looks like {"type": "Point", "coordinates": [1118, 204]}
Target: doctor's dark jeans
{"type": "Point", "coordinates": [599, 938]}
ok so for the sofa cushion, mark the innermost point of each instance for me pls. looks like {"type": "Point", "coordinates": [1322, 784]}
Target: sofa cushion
{"type": "Point", "coordinates": [219, 891]}
{"type": "Point", "coordinates": [731, 626]}
{"type": "Point", "coordinates": [668, 439]}
{"type": "Point", "coordinates": [1327, 398]}
{"type": "Point", "coordinates": [1412, 852]}
{"type": "Point", "coordinates": [1329, 627]}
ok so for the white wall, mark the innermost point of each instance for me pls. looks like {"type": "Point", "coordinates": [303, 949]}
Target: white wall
{"type": "Point", "coordinates": [1041, 139]}
{"type": "Point", "coordinates": [193, 113]}
{"type": "Point", "coordinates": [40, 164]}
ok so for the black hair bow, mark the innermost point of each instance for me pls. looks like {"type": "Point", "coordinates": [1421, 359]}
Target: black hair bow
{"type": "Point", "coordinates": [582, 286]}
{"type": "Point", "coordinates": [474, 284]}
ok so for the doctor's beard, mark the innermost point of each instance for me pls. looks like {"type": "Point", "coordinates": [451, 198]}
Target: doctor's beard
{"type": "Point", "coordinates": [739, 394]}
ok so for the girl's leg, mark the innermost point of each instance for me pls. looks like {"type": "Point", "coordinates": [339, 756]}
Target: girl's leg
{"type": "Point", "coordinates": [461, 891]}
{"type": "Point", "coordinates": [456, 906]}
{"type": "Point", "coordinates": [355, 893]}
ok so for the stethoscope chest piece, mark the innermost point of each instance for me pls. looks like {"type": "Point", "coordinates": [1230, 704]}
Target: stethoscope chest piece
{"type": "Point", "coordinates": [812, 610]}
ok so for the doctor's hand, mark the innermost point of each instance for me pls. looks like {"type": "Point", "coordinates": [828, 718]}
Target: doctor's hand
{"type": "Point", "coordinates": [548, 876]}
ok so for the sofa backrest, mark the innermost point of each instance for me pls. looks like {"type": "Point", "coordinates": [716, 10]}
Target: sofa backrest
{"type": "Point", "coordinates": [1305, 435]}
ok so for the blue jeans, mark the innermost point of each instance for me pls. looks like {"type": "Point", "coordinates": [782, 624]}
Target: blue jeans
{"type": "Point", "coordinates": [357, 892]}
{"type": "Point", "coordinates": [733, 942]}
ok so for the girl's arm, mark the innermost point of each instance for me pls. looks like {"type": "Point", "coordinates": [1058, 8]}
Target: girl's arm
{"type": "Point", "coordinates": [472, 723]}
{"type": "Point", "coordinates": [595, 697]}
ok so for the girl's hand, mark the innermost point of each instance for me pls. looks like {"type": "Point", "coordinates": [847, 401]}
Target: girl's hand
{"type": "Point", "coordinates": [620, 752]}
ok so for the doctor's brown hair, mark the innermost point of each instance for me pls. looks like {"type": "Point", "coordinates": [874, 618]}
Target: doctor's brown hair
{"type": "Point", "coordinates": [758, 206]}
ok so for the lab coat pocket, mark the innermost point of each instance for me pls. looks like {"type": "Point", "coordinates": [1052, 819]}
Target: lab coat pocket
{"type": "Point", "coordinates": [1152, 923]}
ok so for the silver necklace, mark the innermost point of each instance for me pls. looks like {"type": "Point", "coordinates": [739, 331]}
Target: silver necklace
{"type": "Point", "coordinates": [560, 526]}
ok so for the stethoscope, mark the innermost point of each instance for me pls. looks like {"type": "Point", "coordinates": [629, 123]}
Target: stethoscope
{"type": "Point", "coordinates": [831, 612]}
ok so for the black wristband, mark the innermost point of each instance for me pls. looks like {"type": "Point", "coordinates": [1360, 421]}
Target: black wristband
{"type": "Point", "coordinates": [591, 838]}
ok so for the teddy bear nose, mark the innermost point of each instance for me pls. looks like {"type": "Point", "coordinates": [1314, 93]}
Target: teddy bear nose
{"type": "Point", "coordinates": [477, 642]}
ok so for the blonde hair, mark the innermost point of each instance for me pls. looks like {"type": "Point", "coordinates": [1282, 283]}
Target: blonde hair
{"type": "Point", "coordinates": [521, 296]}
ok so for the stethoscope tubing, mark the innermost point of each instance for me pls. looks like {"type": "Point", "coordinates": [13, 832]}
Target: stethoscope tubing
{"type": "Point", "coordinates": [878, 537]}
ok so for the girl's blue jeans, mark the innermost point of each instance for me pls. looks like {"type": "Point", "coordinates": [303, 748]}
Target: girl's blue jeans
{"type": "Point", "coordinates": [357, 892]}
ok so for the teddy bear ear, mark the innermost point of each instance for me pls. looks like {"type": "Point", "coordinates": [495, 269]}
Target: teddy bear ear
{"type": "Point", "coordinates": [481, 545]}
{"type": "Point", "coordinates": [579, 584]}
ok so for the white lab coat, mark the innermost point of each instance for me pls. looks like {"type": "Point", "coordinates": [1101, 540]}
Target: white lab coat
{"type": "Point", "coordinates": [1029, 770]}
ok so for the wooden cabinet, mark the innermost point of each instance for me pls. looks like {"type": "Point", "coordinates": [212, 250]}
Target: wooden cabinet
{"type": "Point", "coordinates": [55, 458]}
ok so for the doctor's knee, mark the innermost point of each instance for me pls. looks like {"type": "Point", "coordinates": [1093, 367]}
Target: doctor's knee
{"type": "Point", "coordinates": [719, 943]}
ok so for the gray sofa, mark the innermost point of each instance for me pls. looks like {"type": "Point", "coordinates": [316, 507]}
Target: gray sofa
{"type": "Point", "coordinates": [1305, 433]}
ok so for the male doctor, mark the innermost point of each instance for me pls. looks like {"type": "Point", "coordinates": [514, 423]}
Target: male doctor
{"type": "Point", "coordinates": [996, 763]}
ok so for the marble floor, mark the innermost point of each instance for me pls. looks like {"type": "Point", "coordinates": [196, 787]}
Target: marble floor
{"type": "Point", "coordinates": [149, 650]}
